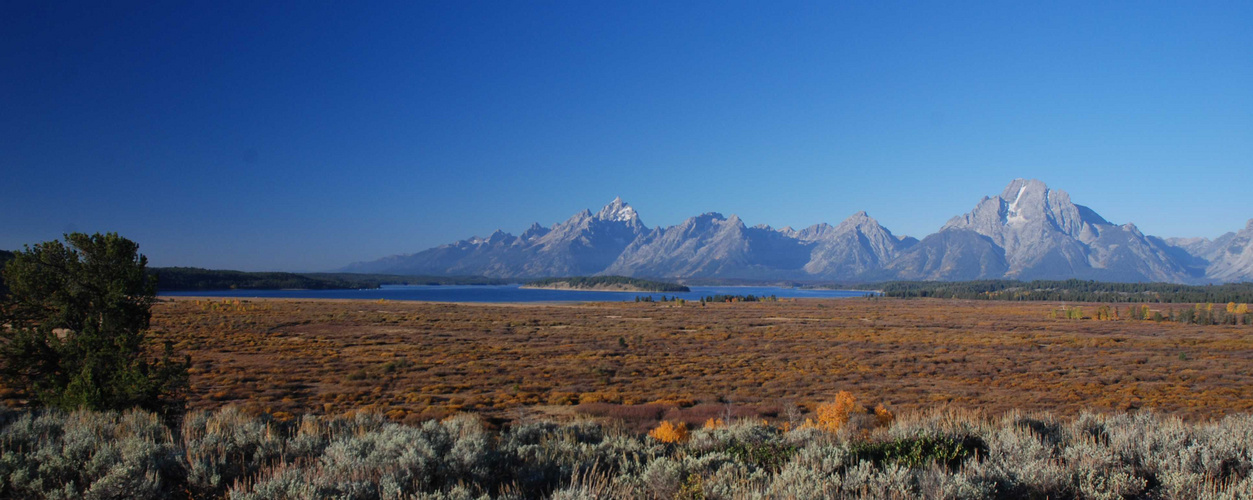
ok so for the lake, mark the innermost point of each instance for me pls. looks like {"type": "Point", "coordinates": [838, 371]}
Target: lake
{"type": "Point", "coordinates": [513, 293]}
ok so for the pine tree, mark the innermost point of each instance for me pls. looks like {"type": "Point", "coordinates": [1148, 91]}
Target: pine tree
{"type": "Point", "coordinates": [78, 317]}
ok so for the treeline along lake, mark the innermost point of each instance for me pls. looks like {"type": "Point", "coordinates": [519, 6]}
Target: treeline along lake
{"type": "Point", "coordinates": [514, 293]}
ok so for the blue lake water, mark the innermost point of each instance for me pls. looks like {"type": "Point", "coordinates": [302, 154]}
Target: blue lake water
{"type": "Point", "coordinates": [513, 293]}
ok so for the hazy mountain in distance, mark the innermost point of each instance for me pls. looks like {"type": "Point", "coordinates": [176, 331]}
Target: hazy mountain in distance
{"type": "Point", "coordinates": [856, 247]}
{"type": "Point", "coordinates": [1027, 232]}
{"type": "Point", "coordinates": [584, 244]}
{"type": "Point", "coordinates": [710, 245]}
{"type": "Point", "coordinates": [951, 255]}
{"type": "Point", "coordinates": [1227, 258]}
{"type": "Point", "coordinates": [1033, 232]}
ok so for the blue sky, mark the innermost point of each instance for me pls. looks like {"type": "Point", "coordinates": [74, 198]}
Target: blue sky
{"type": "Point", "coordinates": [307, 135]}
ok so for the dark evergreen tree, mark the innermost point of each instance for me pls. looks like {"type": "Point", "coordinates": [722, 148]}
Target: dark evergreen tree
{"type": "Point", "coordinates": [77, 319]}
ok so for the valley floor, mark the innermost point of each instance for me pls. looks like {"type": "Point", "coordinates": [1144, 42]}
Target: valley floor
{"type": "Point", "coordinates": [414, 360]}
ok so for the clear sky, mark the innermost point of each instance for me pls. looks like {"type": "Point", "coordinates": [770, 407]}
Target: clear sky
{"type": "Point", "coordinates": [308, 135]}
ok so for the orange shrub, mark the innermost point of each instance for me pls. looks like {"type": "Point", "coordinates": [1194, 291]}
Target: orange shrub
{"type": "Point", "coordinates": [882, 415]}
{"type": "Point", "coordinates": [670, 433]}
{"type": "Point", "coordinates": [832, 416]}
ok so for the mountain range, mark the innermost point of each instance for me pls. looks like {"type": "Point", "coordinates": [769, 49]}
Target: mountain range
{"type": "Point", "coordinates": [1027, 232]}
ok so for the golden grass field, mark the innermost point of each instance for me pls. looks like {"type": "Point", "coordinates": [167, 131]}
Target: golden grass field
{"type": "Point", "coordinates": [420, 360]}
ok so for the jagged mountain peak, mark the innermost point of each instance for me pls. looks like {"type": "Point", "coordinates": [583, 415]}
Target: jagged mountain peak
{"type": "Point", "coordinates": [1029, 231]}
{"type": "Point", "coordinates": [856, 246]}
{"type": "Point", "coordinates": [498, 237]}
{"type": "Point", "coordinates": [617, 214]}
{"type": "Point", "coordinates": [1040, 234]}
{"type": "Point", "coordinates": [860, 221]}
{"type": "Point", "coordinates": [1027, 205]}
{"type": "Point", "coordinates": [1230, 256]}
{"type": "Point", "coordinates": [535, 231]}
{"type": "Point", "coordinates": [1020, 186]}
{"type": "Point", "coordinates": [581, 216]}
{"type": "Point", "coordinates": [1031, 199]}
{"type": "Point", "coordinates": [815, 232]}
{"type": "Point", "coordinates": [1026, 200]}
{"type": "Point", "coordinates": [619, 211]}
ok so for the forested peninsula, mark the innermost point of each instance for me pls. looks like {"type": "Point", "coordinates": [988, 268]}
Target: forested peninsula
{"type": "Point", "coordinates": [606, 284]}
{"type": "Point", "coordinates": [1068, 290]}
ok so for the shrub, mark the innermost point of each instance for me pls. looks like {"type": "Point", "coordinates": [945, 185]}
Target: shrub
{"type": "Point", "coordinates": [882, 416]}
{"type": "Point", "coordinates": [228, 454]}
{"type": "Point", "coordinates": [832, 416]}
{"type": "Point", "coordinates": [668, 432]}
{"type": "Point", "coordinates": [920, 451]}
{"type": "Point", "coordinates": [90, 455]}
{"type": "Point", "coordinates": [227, 446]}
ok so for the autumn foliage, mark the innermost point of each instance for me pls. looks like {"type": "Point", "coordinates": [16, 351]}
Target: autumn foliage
{"type": "Point", "coordinates": [832, 416]}
{"type": "Point", "coordinates": [882, 415]}
{"type": "Point", "coordinates": [432, 360]}
{"type": "Point", "coordinates": [668, 432]}
{"type": "Point", "coordinates": [714, 423]}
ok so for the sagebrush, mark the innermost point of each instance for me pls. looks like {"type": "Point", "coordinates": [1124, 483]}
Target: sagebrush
{"type": "Point", "coordinates": [228, 454]}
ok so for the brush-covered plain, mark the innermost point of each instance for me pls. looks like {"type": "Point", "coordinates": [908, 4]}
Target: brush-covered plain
{"type": "Point", "coordinates": [941, 455]}
{"type": "Point", "coordinates": [649, 361]}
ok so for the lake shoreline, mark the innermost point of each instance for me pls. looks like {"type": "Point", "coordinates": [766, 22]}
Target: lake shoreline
{"type": "Point", "coordinates": [597, 288]}
{"type": "Point", "coordinates": [505, 294]}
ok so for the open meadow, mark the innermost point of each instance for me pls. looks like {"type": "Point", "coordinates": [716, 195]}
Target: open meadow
{"type": "Point", "coordinates": [645, 361]}
{"type": "Point", "coordinates": [804, 399]}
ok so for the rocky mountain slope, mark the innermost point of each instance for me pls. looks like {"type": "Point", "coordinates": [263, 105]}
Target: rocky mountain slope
{"type": "Point", "coordinates": [711, 245]}
{"type": "Point", "coordinates": [1027, 232]}
{"type": "Point", "coordinates": [1227, 258]}
{"type": "Point", "coordinates": [584, 244]}
{"type": "Point", "coordinates": [1033, 232]}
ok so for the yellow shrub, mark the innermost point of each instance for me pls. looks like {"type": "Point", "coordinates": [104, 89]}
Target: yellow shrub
{"type": "Point", "coordinates": [713, 423]}
{"type": "Point", "coordinates": [882, 415]}
{"type": "Point", "coordinates": [670, 433]}
{"type": "Point", "coordinates": [832, 416]}
{"type": "Point", "coordinates": [563, 398]}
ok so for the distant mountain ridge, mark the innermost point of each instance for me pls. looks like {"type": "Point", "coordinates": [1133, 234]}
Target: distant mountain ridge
{"type": "Point", "coordinates": [1027, 232]}
{"type": "Point", "coordinates": [1033, 232]}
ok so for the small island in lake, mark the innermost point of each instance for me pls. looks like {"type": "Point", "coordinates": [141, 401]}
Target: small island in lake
{"type": "Point", "coordinates": [606, 284]}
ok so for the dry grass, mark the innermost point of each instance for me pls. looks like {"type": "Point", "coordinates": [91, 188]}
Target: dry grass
{"type": "Point", "coordinates": [419, 360]}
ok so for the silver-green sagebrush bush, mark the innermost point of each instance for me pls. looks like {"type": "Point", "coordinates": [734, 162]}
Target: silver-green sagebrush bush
{"type": "Point", "coordinates": [87, 455]}
{"type": "Point", "coordinates": [370, 458]}
{"type": "Point", "coordinates": [228, 454]}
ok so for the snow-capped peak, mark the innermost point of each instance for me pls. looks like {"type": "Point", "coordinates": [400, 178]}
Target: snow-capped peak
{"type": "Point", "coordinates": [617, 210]}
